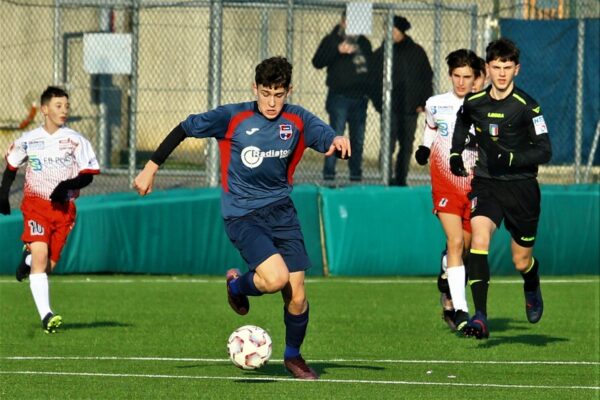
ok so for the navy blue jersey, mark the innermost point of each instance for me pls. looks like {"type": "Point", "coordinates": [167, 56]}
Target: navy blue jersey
{"type": "Point", "coordinates": [258, 155]}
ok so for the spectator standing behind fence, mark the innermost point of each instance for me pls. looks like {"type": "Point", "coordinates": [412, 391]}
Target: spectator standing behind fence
{"type": "Point", "coordinates": [347, 59]}
{"type": "Point", "coordinates": [411, 87]}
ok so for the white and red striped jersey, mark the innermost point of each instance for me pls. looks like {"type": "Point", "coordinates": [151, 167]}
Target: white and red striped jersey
{"type": "Point", "coordinates": [50, 159]}
{"type": "Point", "coordinates": [440, 114]}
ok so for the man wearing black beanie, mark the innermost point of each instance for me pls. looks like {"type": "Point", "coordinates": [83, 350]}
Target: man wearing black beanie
{"type": "Point", "coordinates": [411, 87]}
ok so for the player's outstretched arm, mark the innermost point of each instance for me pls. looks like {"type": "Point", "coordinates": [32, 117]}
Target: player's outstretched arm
{"type": "Point", "coordinates": [145, 179]}
{"type": "Point", "coordinates": [341, 147]}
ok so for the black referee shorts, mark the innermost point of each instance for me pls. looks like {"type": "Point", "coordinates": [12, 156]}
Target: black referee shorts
{"type": "Point", "coordinates": [516, 202]}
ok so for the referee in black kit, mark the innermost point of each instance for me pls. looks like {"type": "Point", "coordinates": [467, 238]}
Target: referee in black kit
{"type": "Point", "coordinates": [512, 140]}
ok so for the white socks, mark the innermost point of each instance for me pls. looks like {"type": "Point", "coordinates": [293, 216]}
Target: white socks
{"type": "Point", "coordinates": [38, 283]}
{"type": "Point", "coordinates": [456, 281]}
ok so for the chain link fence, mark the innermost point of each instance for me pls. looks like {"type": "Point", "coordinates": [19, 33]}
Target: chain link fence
{"type": "Point", "coordinates": [135, 68]}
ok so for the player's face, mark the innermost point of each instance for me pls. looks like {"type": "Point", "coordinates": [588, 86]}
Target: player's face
{"type": "Point", "coordinates": [502, 73]}
{"type": "Point", "coordinates": [270, 100]}
{"type": "Point", "coordinates": [462, 80]}
{"type": "Point", "coordinates": [56, 112]}
{"type": "Point", "coordinates": [478, 83]}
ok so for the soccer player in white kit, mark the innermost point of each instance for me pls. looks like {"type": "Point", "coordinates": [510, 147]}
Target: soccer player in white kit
{"type": "Point", "coordinates": [59, 161]}
{"type": "Point", "coordinates": [450, 202]}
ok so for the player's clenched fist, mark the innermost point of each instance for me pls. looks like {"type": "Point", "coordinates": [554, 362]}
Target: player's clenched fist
{"type": "Point", "coordinates": [145, 179]}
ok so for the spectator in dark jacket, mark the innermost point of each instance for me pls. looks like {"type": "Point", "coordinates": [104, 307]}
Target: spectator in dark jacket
{"type": "Point", "coordinates": [347, 59]}
{"type": "Point", "coordinates": [411, 87]}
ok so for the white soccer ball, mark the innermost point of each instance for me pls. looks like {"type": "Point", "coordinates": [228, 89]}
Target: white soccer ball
{"type": "Point", "coordinates": [249, 347]}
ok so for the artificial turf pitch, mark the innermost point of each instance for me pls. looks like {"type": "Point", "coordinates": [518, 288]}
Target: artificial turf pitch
{"type": "Point", "coordinates": [165, 337]}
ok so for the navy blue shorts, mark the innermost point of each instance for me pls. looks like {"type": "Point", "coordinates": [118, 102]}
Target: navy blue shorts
{"type": "Point", "coordinates": [274, 229]}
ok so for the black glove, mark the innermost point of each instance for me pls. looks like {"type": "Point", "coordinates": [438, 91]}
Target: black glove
{"type": "Point", "coordinates": [60, 194]}
{"type": "Point", "coordinates": [422, 155]}
{"type": "Point", "coordinates": [4, 203]}
{"type": "Point", "coordinates": [457, 166]}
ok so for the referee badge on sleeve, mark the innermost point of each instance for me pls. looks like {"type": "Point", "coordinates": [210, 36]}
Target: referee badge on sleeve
{"type": "Point", "coordinates": [539, 125]}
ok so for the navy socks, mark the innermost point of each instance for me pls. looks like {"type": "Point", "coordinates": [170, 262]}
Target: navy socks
{"type": "Point", "coordinates": [295, 330]}
{"type": "Point", "coordinates": [244, 285]}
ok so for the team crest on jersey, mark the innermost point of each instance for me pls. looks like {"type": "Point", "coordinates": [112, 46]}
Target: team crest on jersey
{"type": "Point", "coordinates": [285, 131]}
{"type": "Point", "coordinates": [494, 131]}
{"type": "Point", "coordinates": [66, 144]}
{"type": "Point", "coordinates": [442, 110]}
{"type": "Point", "coordinates": [34, 145]}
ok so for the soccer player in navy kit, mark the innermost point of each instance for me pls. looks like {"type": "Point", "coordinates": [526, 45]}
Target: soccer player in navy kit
{"type": "Point", "coordinates": [512, 139]}
{"type": "Point", "coordinates": [261, 143]}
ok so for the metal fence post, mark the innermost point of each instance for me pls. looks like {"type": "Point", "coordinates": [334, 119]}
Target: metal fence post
{"type": "Point", "coordinates": [437, 40]}
{"type": "Point", "coordinates": [133, 89]}
{"type": "Point", "coordinates": [474, 29]}
{"type": "Point", "coordinates": [579, 99]}
{"type": "Point", "coordinates": [264, 33]}
{"type": "Point", "coordinates": [214, 84]}
{"type": "Point", "coordinates": [386, 111]}
{"type": "Point", "coordinates": [289, 48]}
{"type": "Point", "coordinates": [58, 45]}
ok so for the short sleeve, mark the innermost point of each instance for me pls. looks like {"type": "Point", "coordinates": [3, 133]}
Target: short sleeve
{"type": "Point", "coordinates": [86, 158]}
{"type": "Point", "coordinates": [16, 156]}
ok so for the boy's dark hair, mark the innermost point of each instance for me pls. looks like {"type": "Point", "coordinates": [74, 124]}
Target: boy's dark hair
{"type": "Point", "coordinates": [480, 67]}
{"type": "Point", "coordinates": [274, 72]}
{"type": "Point", "coordinates": [502, 49]}
{"type": "Point", "coordinates": [463, 58]}
{"type": "Point", "coordinates": [50, 92]}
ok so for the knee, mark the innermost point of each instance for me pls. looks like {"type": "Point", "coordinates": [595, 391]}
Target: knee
{"type": "Point", "coordinates": [39, 261]}
{"type": "Point", "coordinates": [521, 261]}
{"type": "Point", "coordinates": [480, 243]}
{"type": "Point", "coordinates": [455, 245]}
{"type": "Point", "coordinates": [276, 281]}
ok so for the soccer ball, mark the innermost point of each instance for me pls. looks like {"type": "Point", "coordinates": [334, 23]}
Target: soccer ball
{"type": "Point", "coordinates": [249, 347]}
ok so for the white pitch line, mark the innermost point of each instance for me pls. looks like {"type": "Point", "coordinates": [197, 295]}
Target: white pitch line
{"type": "Point", "coordinates": [315, 281]}
{"type": "Point", "coordinates": [334, 360]}
{"type": "Point", "coordinates": [278, 379]}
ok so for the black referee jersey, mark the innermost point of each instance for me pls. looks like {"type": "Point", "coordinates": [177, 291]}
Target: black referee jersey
{"type": "Point", "coordinates": [514, 124]}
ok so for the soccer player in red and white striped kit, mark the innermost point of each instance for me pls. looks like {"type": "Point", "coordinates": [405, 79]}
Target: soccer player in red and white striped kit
{"type": "Point", "coordinates": [450, 202]}
{"type": "Point", "coordinates": [59, 162]}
